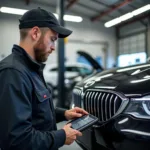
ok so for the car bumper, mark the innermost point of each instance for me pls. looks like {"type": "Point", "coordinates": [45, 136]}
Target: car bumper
{"type": "Point", "coordinates": [121, 133]}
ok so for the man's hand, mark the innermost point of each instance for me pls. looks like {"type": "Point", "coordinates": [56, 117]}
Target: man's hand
{"type": "Point", "coordinates": [75, 112]}
{"type": "Point", "coordinates": [71, 134]}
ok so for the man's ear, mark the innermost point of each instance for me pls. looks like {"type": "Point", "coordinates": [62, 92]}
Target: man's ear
{"type": "Point", "coordinates": [35, 33]}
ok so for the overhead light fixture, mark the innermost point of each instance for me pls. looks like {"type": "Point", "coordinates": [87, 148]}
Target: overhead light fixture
{"type": "Point", "coordinates": [17, 11]}
{"type": "Point", "coordinates": [71, 18]}
{"type": "Point", "coordinates": [112, 22]}
{"type": "Point", "coordinates": [127, 16]}
{"type": "Point", "coordinates": [141, 10]}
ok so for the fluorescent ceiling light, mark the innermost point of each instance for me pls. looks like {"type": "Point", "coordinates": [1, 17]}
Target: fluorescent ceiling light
{"type": "Point", "coordinates": [141, 10]}
{"type": "Point", "coordinates": [71, 18]}
{"type": "Point", "coordinates": [112, 22]}
{"type": "Point", "coordinates": [17, 11]}
{"type": "Point", "coordinates": [127, 16]}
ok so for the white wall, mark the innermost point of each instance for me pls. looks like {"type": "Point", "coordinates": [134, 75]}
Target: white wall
{"type": "Point", "coordinates": [85, 30]}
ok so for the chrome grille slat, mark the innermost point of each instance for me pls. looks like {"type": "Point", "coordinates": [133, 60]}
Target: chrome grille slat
{"type": "Point", "coordinates": [95, 103]}
{"type": "Point", "coordinates": [89, 102]}
{"type": "Point", "coordinates": [102, 100]}
{"type": "Point", "coordinates": [98, 106]}
{"type": "Point", "coordinates": [92, 103]}
{"type": "Point", "coordinates": [77, 97]}
{"type": "Point", "coordinates": [110, 101]}
{"type": "Point", "coordinates": [106, 110]}
{"type": "Point", "coordinates": [115, 105]}
{"type": "Point", "coordinates": [86, 101]}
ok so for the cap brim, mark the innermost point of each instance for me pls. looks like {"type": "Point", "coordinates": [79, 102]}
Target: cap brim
{"type": "Point", "coordinates": [62, 32]}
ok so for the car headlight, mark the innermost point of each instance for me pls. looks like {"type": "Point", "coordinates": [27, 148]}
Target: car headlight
{"type": "Point", "coordinates": [139, 107]}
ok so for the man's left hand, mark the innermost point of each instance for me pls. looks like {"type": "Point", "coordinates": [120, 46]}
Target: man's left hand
{"type": "Point", "coordinates": [74, 113]}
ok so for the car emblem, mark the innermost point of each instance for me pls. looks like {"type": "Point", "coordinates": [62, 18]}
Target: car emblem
{"type": "Point", "coordinates": [89, 83]}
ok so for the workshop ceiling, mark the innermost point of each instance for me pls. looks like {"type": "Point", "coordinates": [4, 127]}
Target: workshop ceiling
{"type": "Point", "coordinates": [96, 10]}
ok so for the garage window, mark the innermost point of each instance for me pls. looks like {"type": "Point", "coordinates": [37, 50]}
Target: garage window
{"type": "Point", "coordinates": [132, 50]}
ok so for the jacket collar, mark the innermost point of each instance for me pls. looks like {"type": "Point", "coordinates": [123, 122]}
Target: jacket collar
{"type": "Point", "coordinates": [31, 63]}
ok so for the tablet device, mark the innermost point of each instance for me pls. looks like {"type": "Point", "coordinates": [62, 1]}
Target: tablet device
{"type": "Point", "coordinates": [83, 122]}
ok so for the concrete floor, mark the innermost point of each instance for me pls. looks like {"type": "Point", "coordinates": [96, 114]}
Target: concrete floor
{"type": "Point", "coordinates": [73, 146]}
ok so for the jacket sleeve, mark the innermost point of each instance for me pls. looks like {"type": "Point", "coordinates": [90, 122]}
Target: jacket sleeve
{"type": "Point", "coordinates": [60, 114]}
{"type": "Point", "coordinates": [16, 131]}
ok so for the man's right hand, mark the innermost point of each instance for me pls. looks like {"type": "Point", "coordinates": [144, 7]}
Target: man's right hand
{"type": "Point", "coordinates": [71, 134]}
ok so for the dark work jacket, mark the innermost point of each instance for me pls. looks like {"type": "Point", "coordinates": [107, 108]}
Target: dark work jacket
{"type": "Point", "coordinates": [27, 115]}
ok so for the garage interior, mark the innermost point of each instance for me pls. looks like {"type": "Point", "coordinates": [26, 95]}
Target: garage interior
{"type": "Point", "coordinates": [115, 33]}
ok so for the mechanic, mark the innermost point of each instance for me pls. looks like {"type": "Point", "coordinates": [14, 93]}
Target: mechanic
{"type": "Point", "coordinates": [27, 114]}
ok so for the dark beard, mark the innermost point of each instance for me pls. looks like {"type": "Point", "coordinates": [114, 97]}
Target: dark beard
{"type": "Point", "coordinates": [40, 55]}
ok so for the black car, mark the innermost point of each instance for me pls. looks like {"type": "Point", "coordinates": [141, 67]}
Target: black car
{"type": "Point", "coordinates": [120, 98]}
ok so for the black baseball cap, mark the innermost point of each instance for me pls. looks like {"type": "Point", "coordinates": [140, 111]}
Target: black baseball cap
{"type": "Point", "coordinates": [42, 18]}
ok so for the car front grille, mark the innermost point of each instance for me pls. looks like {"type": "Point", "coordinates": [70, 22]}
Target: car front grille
{"type": "Point", "coordinates": [101, 104]}
{"type": "Point", "coordinates": [77, 97]}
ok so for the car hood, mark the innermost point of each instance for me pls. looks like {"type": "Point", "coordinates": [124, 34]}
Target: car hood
{"type": "Point", "coordinates": [134, 80]}
{"type": "Point", "coordinates": [91, 60]}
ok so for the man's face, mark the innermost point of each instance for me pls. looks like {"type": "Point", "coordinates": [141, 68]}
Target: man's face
{"type": "Point", "coordinates": [45, 45]}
